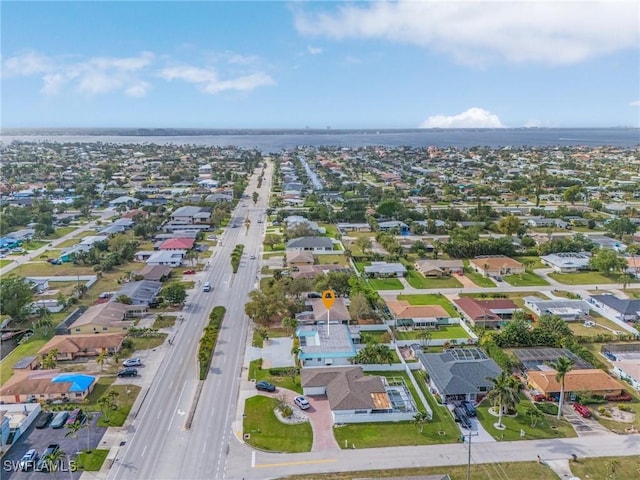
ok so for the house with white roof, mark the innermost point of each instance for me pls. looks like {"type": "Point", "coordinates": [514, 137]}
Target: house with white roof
{"type": "Point", "coordinates": [567, 309]}
{"type": "Point", "coordinates": [567, 262]}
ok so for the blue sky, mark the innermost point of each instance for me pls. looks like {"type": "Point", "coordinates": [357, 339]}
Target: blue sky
{"type": "Point", "coordinates": [275, 64]}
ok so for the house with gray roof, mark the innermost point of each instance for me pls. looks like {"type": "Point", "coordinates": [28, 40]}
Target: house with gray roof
{"type": "Point", "coordinates": [567, 309]}
{"type": "Point", "coordinates": [609, 243]}
{"type": "Point", "coordinates": [384, 269]}
{"type": "Point", "coordinates": [567, 262]}
{"type": "Point", "coordinates": [623, 308]}
{"type": "Point", "coordinates": [460, 374]}
{"type": "Point", "coordinates": [323, 344]}
{"type": "Point", "coordinates": [313, 244]}
{"type": "Point", "coordinates": [191, 215]}
{"type": "Point", "coordinates": [402, 227]}
{"type": "Point", "coordinates": [141, 293]}
{"type": "Point", "coordinates": [355, 397]}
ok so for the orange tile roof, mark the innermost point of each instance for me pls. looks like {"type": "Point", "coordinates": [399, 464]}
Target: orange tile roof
{"type": "Point", "coordinates": [587, 380]}
{"type": "Point", "coordinates": [402, 309]}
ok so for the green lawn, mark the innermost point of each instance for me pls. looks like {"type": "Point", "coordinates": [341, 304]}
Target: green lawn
{"type": "Point", "coordinates": [60, 232]}
{"type": "Point", "coordinates": [26, 349]}
{"type": "Point", "coordinates": [525, 280]}
{"type": "Point", "coordinates": [273, 332]}
{"type": "Point", "coordinates": [145, 343]}
{"type": "Point", "coordinates": [332, 229]}
{"type": "Point", "coordinates": [430, 299]}
{"type": "Point", "coordinates": [91, 461]}
{"type": "Point", "coordinates": [477, 278]}
{"type": "Point", "coordinates": [607, 467]}
{"type": "Point", "coordinates": [332, 259]}
{"type": "Point", "coordinates": [536, 261]}
{"type": "Point", "coordinates": [547, 427]}
{"type": "Point", "coordinates": [268, 433]}
{"type": "Point", "coordinates": [45, 269]}
{"type": "Point", "coordinates": [4, 262]}
{"type": "Point", "coordinates": [379, 336]}
{"type": "Point", "coordinates": [583, 278]}
{"type": "Point", "coordinates": [165, 321]}
{"type": "Point", "coordinates": [258, 373]}
{"type": "Point", "coordinates": [523, 470]}
{"type": "Point", "coordinates": [67, 243]}
{"type": "Point", "coordinates": [385, 284]}
{"type": "Point", "coordinates": [124, 400]}
{"type": "Point", "coordinates": [443, 332]}
{"type": "Point", "coordinates": [417, 280]}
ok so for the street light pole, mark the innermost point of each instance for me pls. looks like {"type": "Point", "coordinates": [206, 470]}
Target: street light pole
{"type": "Point", "coordinates": [470, 434]}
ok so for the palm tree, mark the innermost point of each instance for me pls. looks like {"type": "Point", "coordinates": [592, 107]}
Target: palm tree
{"type": "Point", "coordinates": [562, 366]}
{"type": "Point", "coordinates": [425, 335]}
{"type": "Point", "coordinates": [50, 360]}
{"type": "Point", "coordinates": [625, 280]}
{"type": "Point", "coordinates": [534, 414]}
{"type": "Point", "coordinates": [87, 425]}
{"type": "Point", "coordinates": [54, 460]}
{"type": "Point", "coordinates": [504, 394]}
{"type": "Point", "coordinates": [105, 405]}
{"type": "Point", "coordinates": [419, 419]}
{"type": "Point", "coordinates": [101, 359]}
{"type": "Point", "coordinates": [74, 428]}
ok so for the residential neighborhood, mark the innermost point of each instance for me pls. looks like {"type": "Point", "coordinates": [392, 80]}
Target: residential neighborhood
{"type": "Point", "coordinates": [474, 292]}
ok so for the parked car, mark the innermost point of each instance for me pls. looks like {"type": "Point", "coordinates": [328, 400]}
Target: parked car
{"type": "Point", "coordinates": [132, 362]}
{"type": "Point", "coordinates": [188, 272]}
{"type": "Point", "coordinates": [28, 460]}
{"type": "Point", "coordinates": [265, 386]}
{"type": "Point", "coordinates": [301, 402]}
{"type": "Point", "coordinates": [252, 257]}
{"type": "Point", "coordinates": [460, 416]}
{"type": "Point", "coordinates": [582, 410]}
{"type": "Point", "coordinates": [469, 408]}
{"type": "Point", "coordinates": [60, 419]}
{"type": "Point", "coordinates": [75, 416]}
{"type": "Point", "coordinates": [128, 372]}
{"type": "Point", "coordinates": [45, 463]}
{"type": "Point", "coordinates": [43, 419]}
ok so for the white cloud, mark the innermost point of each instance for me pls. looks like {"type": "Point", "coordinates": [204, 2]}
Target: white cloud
{"type": "Point", "coordinates": [478, 32]}
{"type": "Point", "coordinates": [314, 50]}
{"type": "Point", "coordinates": [472, 118]}
{"type": "Point", "coordinates": [635, 104]}
{"type": "Point", "coordinates": [208, 80]}
{"type": "Point", "coordinates": [96, 75]}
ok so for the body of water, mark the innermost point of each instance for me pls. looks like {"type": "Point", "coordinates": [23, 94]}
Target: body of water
{"type": "Point", "coordinates": [274, 141]}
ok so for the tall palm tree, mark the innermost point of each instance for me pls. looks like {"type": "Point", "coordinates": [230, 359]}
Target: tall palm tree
{"type": "Point", "coordinates": [73, 430]}
{"type": "Point", "coordinates": [562, 366]}
{"type": "Point", "coordinates": [504, 394]}
{"type": "Point", "coordinates": [54, 460]}
{"type": "Point", "coordinates": [425, 335]}
{"type": "Point", "coordinates": [101, 359]}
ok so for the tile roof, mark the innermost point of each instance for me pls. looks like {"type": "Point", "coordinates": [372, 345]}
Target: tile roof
{"type": "Point", "coordinates": [402, 309]}
{"type": "Point", "coordinates": [586, 380]}
{"type": "Point", "coordinates": [180, 243]}
{"type": "Point", "coordinates": [79, 343]}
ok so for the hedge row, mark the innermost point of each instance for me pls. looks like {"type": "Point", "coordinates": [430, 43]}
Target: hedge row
{"type": "Point", "coordinates": [236, 255]}
{"type": "Point", "coordinates": [208, 340]}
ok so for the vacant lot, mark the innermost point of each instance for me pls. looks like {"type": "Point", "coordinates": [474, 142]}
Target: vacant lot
{"type": "Point", "coordinates": [417, 280]}
{"type": "Point", "coordinates": [525, 280]}
{"type": "Point", "coordinates": [583, 278]}
{"type": "Point", "coordinates": [386, 284]}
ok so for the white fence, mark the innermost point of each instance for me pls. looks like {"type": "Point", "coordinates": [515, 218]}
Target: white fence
{"type": "Point", "coordinates": [339, 418]}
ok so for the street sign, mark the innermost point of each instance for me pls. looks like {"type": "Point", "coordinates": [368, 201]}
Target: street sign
{"type": "Point", "coordinates": [328, 297]}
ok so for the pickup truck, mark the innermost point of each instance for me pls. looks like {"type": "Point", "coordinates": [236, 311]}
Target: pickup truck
{"type": "Point", "coordinates": [44, 464]}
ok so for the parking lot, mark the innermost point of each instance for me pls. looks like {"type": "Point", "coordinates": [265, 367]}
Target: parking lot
{"type": "Point", "coordinates": [39, 439]}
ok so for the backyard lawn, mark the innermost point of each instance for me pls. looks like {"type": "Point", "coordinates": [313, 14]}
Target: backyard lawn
{"type": "Point", "coordinates": [547, 427]}
{"type": "Point", "coordinates": [583, 278]}
{"type": "Point", "coordinates": [386, 284]}
{"type": "Point", "coordinates": [417, 280]}
{"type": "Point", "coordinates": [26, 349]}
{"type": "Point", "coordinates": [332, 259]}
{"type": "Point", "coordinates": [441, 333]}
{"type": "Point", "coordinates": [273, 332]}
{"type": "Point", "coordinates": [430, 299]}
{"type": "Point", "coordinates": [525, 280]}
{"type": "Point", "coordinates": [535, 261]}
{"type": "Point", "coordinates": [45, 269]}
{"type": "Point", "coordinates": [268, 433]}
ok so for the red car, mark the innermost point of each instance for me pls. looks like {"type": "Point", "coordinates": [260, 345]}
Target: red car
{"type": "Point", "coordinates": [188, 272]}
{"type": "Point", "coordinates": [582, 410]}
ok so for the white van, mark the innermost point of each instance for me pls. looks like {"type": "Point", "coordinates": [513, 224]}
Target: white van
{"type": "Point", "coordinates": [206, 287]}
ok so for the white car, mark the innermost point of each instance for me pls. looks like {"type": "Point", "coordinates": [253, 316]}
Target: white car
{"type": "Point", "coordinates": [132, 362]}
{"type": "Point", "coordinates": [252, 257]}
{"type": "Point", "coordinates": [301, 402]}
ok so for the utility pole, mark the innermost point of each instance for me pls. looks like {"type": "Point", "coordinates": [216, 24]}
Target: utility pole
{"type": "Point", "coordinates": [470, 434]}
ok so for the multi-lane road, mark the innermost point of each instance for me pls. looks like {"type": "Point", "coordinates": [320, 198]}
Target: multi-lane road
{"type": "Point", "coordinates": [158, 444]}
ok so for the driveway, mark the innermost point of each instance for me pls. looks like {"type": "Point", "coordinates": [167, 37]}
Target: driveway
{"type": "Point", "coordinates": [319, 415]}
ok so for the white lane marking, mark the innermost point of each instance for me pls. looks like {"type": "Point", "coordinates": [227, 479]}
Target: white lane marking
{"type": "Point", "coordinates": [212, 412]}
{"type": "Point", "coordinates": [143, 451]}
{"type": "Point", "coordinates": [171, 385]}
{"type": "Point", "coordinates": [253, 459]}
{"type": "Point", "coordinates": [204, 448]}
{"type": "Point", "coordinates": [177, 403]}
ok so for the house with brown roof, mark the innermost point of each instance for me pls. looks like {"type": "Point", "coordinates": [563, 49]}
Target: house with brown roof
{"type": "Point", "coordinates": [314, 271]}
{"type": "Point", "coordinates": [422, 316]}
{"type": "Point", "coordinates": [355, 397]}
{"type": "Point", "coordinates": [496, 266]}
{"type": "Point", "coordinates": [439, 268]}
{"type": "Point", "coordinates": [110, 317]}
{"type": "Point", "coordinates": [299, 258]}
{"type": "Point", "coordinates": [70, 347]}
{"type": "Point", "coordinates": [156, 273]}
{"type": "Point", "coordinates": [46, 385]}
{"type": "Point", "coordinates": [594, 381]}
{"type": "Point", "coordinates": [493, 313]}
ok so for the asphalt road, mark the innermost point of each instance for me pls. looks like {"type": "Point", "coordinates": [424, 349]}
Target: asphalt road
{"type": "Point", "coordinates": [158, 446]}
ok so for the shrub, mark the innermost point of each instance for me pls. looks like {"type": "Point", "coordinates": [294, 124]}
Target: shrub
{"type": "Point", "coordinates": [208, 340]}
{"type": "Point", "coordinates": [548, 408]}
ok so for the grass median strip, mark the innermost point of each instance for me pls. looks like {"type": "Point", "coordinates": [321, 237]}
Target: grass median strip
{"type": "Point", "coordinates": [209, 339]}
